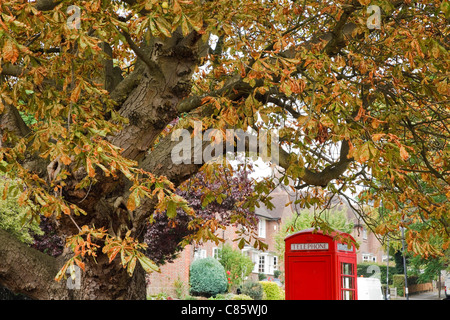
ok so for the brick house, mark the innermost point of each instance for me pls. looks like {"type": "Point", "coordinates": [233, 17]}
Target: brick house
{"type": "Point", "coordinates": [370, 249]}
{"type": "Point", "coordinates": [265, 262]}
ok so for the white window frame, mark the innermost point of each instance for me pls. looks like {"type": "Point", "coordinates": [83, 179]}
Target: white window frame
{"type": "Point", "coordinates": [216, 252]}
{"type": "Point", "coordinates": [365, 257]}
{"type": "Point", "coordinates": [199, 253]}
{"type": "Point", "coordinates": [263, 264]}
{"type": "Point", "coordinates": [262, 228]}
{"type": "Point", "coordinates": [369, 257]}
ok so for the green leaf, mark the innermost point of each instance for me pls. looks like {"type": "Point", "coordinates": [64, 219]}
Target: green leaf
{"type": "Point", "coordinates": [241, 243]}
{"type": "Point", "coordinates": [148, 265]}
{"type": "Point", "coordinates": [445, 7]}
{"type": "Point", "coordinates": [163, 26]}
{"type": "Point", "coordinates": [208, 199]}
{"type": "Point", "coordinates": [171, 209]}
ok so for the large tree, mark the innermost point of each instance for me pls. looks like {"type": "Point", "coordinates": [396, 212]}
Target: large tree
{"type": "Point", "coordinates": [352, 103]}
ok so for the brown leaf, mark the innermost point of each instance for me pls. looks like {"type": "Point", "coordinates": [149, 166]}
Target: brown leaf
{"type": "Point", "coordinates": [75, 94]}
{"type": "Point", "coordinates": [403, 153]}
{"type": "Point", "coordinates": [90, 168]}
{"type": "Point", "coordinates": [10, 52]}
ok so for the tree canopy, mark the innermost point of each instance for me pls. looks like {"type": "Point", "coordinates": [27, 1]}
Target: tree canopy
{"type": "Point", "coordinates": [356, 106]}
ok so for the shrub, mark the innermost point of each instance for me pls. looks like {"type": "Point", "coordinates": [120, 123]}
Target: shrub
{"type": "Point", "coordinates": [272, 291]}
{"type": "Point", "coordinates": [180, 288]}
{"type": "Point", "coordinates": [222, 296]}
{"type": "Point", "coordinates": [277, 273]}
{"type": "Point", "coordinates": [242, 297]}
{"type": "Point", "coordinates": [15, 218]}
{"type": "Point", "coordinates": [236, 264]}
{"type": "Point", "coordinates": [253, 289]}
{"type": "Point", "coordinates": [398, 282]}
{"type": "Point", "coordinates": [207, 277]}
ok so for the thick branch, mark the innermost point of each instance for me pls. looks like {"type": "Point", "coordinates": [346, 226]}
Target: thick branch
{"type": "Point", "coordinates": [153, 67]}
{"type": "Point", "coordinates": [9, 69]}
{"type": "Point", "coordinates": [46, 5]}
{"type": "Point", "coordinates": [28, 271]}
{"type": "Point", "coordinates": [159, 162]}
{"type": "Point", "coordinates": [10, 120]}
{"type": "Point", "coordinates": [331, 172]}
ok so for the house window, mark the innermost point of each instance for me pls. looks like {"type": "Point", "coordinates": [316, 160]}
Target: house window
{"type": "Point", "coordinates": [262, 264]}
{"type": "Point", "coordinates": [369, 257]}
{"type": "Point", "coordinates": [262, 228]}
{"type": "Point", "coordinates": [364, 234]}
{"type": "Point", "coordinates": [272, 264]}
{"type": "Point", "coordinates": [199, 253]}
{"type": "Point", "coordinates": [216, 253]}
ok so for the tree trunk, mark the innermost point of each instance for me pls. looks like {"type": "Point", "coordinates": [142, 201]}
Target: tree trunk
{"type": "Point", "coordinates": [101, 281]}
{"type": "Point", "coordinates": [107, 281]}
{"type": "Point", "coordinates": [28, 271]}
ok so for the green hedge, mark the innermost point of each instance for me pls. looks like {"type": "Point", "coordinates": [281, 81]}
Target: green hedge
{"type": "Point", "coordinates": [363, 270]}
{"type": "Point", "coordinates": [399, 283]}
{"type": "Point", "coordinates": [207, 277]}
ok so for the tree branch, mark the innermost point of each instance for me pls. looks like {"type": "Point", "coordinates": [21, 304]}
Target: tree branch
{"type": "Point", "coordinates": [10, 120]}
{"type": "Point", "coordinates": [38, 280]}
{"type": "Point", "coordinates": [9, 69]}
{"type": "Point", "coordinates": [152, 66]}
{"type": "Point", "coordinates": [333, 171]}
{"type": "Point", "coordinates": [46, 5]}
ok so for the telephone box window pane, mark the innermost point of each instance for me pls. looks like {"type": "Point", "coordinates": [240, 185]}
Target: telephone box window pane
{"type": "Point", "coordinates": [347, 295]}
{"type": "Point", "coordinates": [347, 268]}
{"type": "Point", "coordinates": [347, 283]}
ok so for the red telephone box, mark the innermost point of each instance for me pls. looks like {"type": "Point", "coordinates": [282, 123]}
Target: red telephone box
{"type": "Point", "coordinates": [319, 268]}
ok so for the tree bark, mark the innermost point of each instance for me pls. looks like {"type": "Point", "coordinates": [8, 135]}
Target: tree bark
{"type": "Point", "coordinates": [30, 272]}
{"type": "Point", "coordinates": [27, 271]}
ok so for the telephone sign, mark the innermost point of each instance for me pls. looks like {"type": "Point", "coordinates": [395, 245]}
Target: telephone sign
{"type": "Point", "coordinates": [309, 246]}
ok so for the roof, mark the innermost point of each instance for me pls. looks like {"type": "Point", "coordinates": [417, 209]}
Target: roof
{"type": "Point", "coordinates": [279, 200]}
